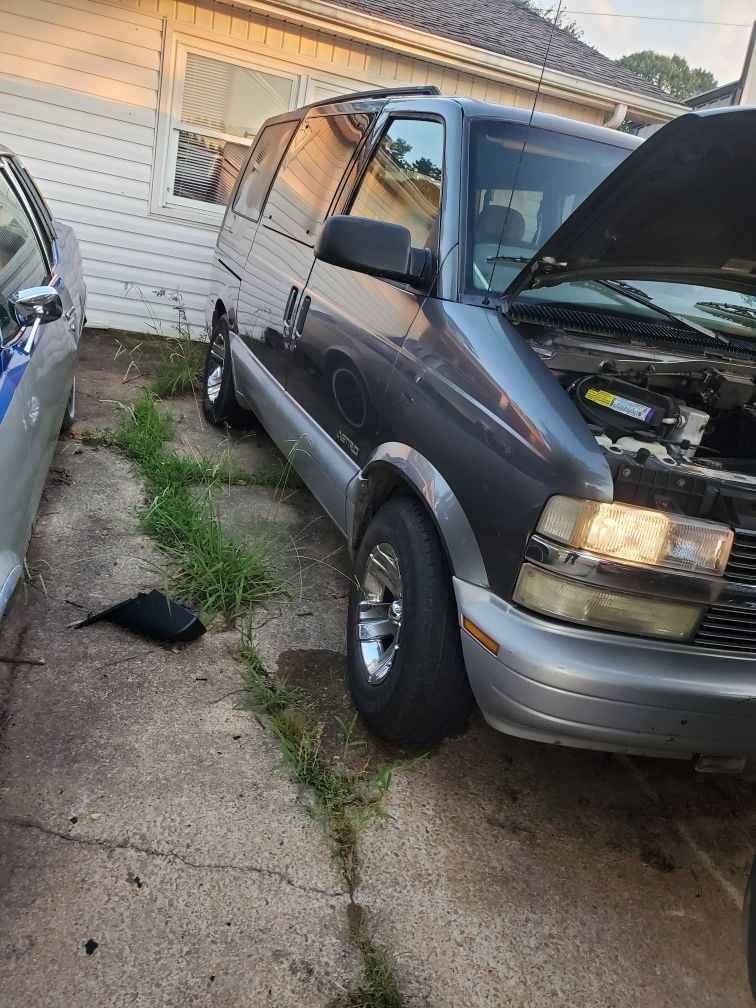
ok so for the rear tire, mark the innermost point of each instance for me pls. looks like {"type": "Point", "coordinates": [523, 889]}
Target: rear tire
{"type": "Point", "coordinates": [409, 685]}
{"type": "Point", "coordinates": [219, 402]}
{"type": "Point", "coordinates": [70, 415]}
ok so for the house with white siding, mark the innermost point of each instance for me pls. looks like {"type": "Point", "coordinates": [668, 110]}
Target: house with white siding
{"type": "Point", "coordinates": [134, 115]}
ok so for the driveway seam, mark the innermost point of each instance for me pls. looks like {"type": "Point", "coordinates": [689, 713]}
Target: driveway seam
{"type": "Point", "coordinates": [125, 845]}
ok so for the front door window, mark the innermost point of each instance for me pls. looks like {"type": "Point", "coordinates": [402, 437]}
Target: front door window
{"type": "Point", "coordinates": [402, 182]}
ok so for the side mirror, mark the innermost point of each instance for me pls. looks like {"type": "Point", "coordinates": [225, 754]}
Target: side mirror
{"type": "Point", "coordinates": [749, 927]}
{"type": "Point", "coordinates": [36, 304]}
{"type": "Point", "coordinates": [373, 247]}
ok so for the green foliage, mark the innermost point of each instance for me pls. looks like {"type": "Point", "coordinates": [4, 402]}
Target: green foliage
{"type": "Point", "coordinates": [555, 16]}
{"type": "Point", "coordinates": [210, 571]}
{"type": "Point", "coordinates": [379, 987]}
{"type": "Point", "coordinates": [670, 73]}
{"type": "Point", "coordinates": [180, 368]}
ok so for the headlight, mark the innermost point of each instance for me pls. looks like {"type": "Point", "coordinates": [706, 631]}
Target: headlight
{"type": "Point", "coordinates": [576, 602]}
{"type": "Point", "coordinates": [637, 534]}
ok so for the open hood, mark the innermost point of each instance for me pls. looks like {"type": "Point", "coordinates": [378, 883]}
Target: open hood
{"type": "Point", "coordinates": [681, 208]}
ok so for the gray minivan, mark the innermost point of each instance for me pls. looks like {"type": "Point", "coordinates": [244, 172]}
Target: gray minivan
{"type": "Point", "coordinates": [513, 358]}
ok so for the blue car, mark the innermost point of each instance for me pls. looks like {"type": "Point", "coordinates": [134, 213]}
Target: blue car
{"type": "Point", "coordinates": [42, 308]}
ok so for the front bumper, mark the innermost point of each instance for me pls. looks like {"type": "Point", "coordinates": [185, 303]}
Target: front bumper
{"type": "Point", "coordinates": [587, 688]}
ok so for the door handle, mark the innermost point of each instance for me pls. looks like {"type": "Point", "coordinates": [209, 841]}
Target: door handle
{"type": "Point", "coordinates": [70, 317]}
{"type": "Point", "coordinates": [302, 317]}
{"type": "Point", "coordinates": [289, 311]}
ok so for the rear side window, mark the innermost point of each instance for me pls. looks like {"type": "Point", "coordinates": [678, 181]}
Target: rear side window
{"type": "Point", "coordinates": [314, 165]}
{"type": "Point", "coordinates": [402, 182]}
{"type": "Point", "coordinates": [22, 263]}
{"type": "Point", "coordinates": [264, 160]}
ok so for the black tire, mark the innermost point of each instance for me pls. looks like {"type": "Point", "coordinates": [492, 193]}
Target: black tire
{"type": "Point", "coordinates": [218, 395]}
{"type": "Point", "coordinates": [70, 415]}
{"type": "Point", "coordinates": [426, 695]}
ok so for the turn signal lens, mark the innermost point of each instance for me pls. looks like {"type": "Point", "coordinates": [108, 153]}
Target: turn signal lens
{"type": "Point", "coordinates": [638, 535]}
{"type": "Point", "coordinates": [576, 602]}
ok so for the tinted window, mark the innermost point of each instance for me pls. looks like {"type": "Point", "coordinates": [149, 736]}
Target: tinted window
{"type": "Point", "coordinates": [402, 183]}
{"type": "Point", "coordinates": [261, 167]}
{"type": "Point", "coordinates": [21, 261]}
{"type": "Point", "coordinates": [313, 167]}
{"type": "Point", "coordinates": [523, 185]}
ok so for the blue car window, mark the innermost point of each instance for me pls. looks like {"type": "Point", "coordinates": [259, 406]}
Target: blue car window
{"type": "Point", "coordinates": [22, 263]}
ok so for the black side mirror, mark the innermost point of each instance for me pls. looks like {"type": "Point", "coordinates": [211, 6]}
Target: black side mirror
{"type": "Point", "coordinates": [36, 304]}
{"type": "Point", "coordinates": [749, 927]}
{"type": "Point", "coordinates": [373, 247]}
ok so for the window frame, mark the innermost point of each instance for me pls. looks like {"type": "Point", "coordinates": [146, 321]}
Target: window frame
{"type": "Point", "coordinates": [318, 112]}
{"type": "Point", "coordinates": [176, 47]}
{"type": "Point", "coordinates": [370, 149]}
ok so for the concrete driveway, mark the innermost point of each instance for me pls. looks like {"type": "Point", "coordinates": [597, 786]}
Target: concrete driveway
{"type": "Point", "coordinates": [154, 851]}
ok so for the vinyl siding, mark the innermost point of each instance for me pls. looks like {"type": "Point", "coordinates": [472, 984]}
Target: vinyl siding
{"type": "Point", "coordinates": [79, 99]}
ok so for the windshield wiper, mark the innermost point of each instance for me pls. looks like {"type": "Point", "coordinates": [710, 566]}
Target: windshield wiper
{"type": "Point", "coordinates": [508, 258]}
{"type": "Point", "coordinates": [633, 294]}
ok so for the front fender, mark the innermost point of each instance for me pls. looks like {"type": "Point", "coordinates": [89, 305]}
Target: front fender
{"type": "Point", "coordinates": [412, 468]}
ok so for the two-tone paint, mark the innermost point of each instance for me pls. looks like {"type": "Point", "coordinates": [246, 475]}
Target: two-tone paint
{"type": "Point", "coordinates": [462, 413]}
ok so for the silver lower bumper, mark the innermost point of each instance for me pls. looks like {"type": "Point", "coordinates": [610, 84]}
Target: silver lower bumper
{"type": "Point", "coordinates": [596, 690]}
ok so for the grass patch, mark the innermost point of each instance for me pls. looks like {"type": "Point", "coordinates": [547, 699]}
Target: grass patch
{"type": "Point", "coordinates": [344, 799]}
{"type": "Point", "coordinates": [180, 368]}
{"type": "Point", "coordinates": [379, 987]}
{"type": "Point", "coordinates": [211, 572]}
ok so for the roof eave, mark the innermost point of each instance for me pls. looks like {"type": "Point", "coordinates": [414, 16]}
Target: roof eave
{"type": "Point", "coordinates": [377, 31]}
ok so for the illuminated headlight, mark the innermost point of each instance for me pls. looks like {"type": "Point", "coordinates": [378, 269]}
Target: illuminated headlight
{"type": "Point", "coordinates": [575, 602]}
{"type": "Point", "coordinates": [638, 535]}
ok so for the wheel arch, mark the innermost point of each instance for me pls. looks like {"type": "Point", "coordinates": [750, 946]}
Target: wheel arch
{"type": "Point", "coordinates": [396, 467]}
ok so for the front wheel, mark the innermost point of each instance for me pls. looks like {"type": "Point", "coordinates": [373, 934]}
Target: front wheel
{"type": "Point", "coordinates": [404, 655]}
{"type": "Point", "coordinates": [218, 396]}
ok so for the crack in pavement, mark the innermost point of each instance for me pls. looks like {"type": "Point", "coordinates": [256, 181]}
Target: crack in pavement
{"type": "Point", "coordinates": [125, 845]}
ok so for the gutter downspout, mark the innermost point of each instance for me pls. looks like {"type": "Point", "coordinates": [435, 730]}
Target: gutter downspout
{"type": "Point", "coordinates": [617, 117]}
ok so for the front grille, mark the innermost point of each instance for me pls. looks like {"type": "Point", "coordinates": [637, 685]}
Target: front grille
{"type": "Point", "coordinates": [724, 627]}
{"type": "Point", "coordinates": [742, 563]}
{"type": "Point", "coordinates": [728, 629]}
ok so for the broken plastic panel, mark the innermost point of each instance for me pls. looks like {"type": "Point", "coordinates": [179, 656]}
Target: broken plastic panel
{"type": "Point", "coordinates": [152, 615]}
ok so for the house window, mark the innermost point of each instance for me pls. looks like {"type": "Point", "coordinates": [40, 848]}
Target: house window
{"type": "Point", "coordinates": [218, 108]}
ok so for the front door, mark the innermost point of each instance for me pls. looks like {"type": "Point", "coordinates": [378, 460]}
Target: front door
{"type": "Point", "coordinates": [349, 327]}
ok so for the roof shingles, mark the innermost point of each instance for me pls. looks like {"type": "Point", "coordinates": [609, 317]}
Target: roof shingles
{"type": "Point", "coordinates": [506, 27]}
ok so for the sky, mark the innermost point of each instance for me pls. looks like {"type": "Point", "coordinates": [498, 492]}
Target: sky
{"type": "Point", "coordinates": [708, 33]}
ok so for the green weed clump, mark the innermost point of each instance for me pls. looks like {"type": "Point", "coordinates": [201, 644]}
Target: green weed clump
{"type": "Point", "coordinates": [211, 572]}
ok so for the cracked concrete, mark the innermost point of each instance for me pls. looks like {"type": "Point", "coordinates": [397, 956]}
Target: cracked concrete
{"type": "Point", "coordinates": [122, 759]}
{"type": "Point", "coordinates": [145, 813]}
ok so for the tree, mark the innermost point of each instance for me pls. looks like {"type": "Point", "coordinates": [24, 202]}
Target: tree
{"type": "Point", "coordinates": [671, 73]}
{"type": "Point", "coordinates": [556, 16]}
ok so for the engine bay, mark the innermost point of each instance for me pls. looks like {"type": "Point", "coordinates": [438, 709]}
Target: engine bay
{"type": "Point", "coordinates": [658, 406]}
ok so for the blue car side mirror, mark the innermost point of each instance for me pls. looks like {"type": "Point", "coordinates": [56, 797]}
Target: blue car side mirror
{"type": "Point", "coordinates": [36, 304]}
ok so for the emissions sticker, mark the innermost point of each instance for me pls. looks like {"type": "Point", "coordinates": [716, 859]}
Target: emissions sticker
{"type": "Point", "coordinates": [619, 405]}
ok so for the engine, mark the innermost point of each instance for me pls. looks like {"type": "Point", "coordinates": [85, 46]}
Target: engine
{"type": "Point", "coordinates": [680, 411]}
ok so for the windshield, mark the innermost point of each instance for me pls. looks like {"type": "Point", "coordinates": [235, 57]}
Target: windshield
{"type": "Point", "coordinates": [524, 182]}
{"type": "Point", "coordinates": [523, 185]}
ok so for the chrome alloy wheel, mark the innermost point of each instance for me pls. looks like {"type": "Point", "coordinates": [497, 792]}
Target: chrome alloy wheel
{"type": "Point", "coordinates": [380, 612]}
{"type": "Point", "coordinates": [215, 369]}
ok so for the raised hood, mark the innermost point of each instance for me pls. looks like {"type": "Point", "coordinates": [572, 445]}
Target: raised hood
{"type": "Point", "coordinates": [681, 208]}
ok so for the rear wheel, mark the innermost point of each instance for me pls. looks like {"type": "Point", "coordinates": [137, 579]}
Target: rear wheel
{"type": "Point", "coordinates": [219, 398]}
{"type": "Point", "coordinates": [70, 415]}
{"type": "Point", "coordinates": [405, 666]}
